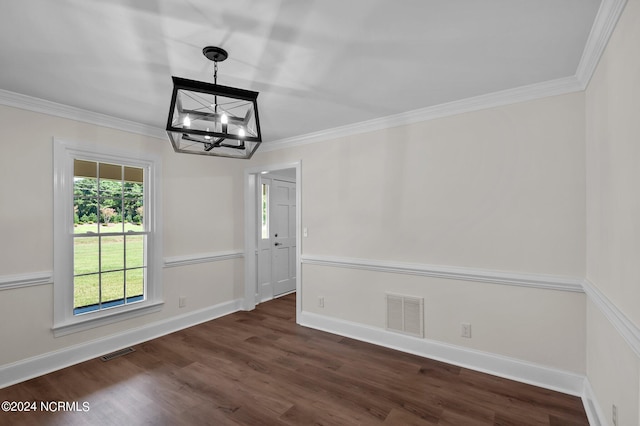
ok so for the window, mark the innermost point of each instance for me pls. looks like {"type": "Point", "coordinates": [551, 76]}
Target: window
{"type": "Point", "coordinates": [265, 211]}
{"type": "Point", "coordinates": [107, 247]}
{"type": "Point", "coordinates": [109, 235]}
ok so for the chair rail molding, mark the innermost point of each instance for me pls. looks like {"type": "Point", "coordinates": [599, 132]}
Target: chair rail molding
{"type": "Point", "coordinates": [25, 280]}
{"type": "Point", "coordinates": [192, 259]}
{"type": "Point", "coordinates": [627, 329]}
{"type": "Point", "coordinates": [542, 281]}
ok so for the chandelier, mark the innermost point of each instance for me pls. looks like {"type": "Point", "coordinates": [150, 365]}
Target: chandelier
{"type": "Point", "coordinates": [210, 119]}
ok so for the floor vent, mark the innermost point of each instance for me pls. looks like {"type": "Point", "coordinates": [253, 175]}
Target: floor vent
{"type": "Point", "coordinates": [405, 314]}
{"type": "Point", "coordinates": [116, 354]}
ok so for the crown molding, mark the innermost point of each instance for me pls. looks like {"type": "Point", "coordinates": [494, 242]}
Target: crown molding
{"type": "Point", "coordinates": [517, 279]}
{"type": "Point", "coordinates": [55, 109]}
{"type": "Point", "coordinates": [490, 100]}
{"type": "Point", "coordinates": [627, 329]}
{"type": "Point", "coordinates": [603, 26]}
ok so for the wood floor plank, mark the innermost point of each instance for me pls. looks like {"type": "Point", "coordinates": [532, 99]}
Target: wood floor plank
{"type": "Point", "coordinates": [260, 368]}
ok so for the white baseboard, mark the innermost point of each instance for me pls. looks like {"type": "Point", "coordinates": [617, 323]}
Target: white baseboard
{"type": "Point", "coordinates": [591, 407]}
{"type": "Point", "coordinates": [497, 365]}
{"type": "Point", "coordinates": [46, 363]}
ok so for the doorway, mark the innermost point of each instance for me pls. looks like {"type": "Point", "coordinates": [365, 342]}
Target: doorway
{"type": "Point", "coordinates": [272, 196]}
{"type": "Point", "coordinates": [276, 223]}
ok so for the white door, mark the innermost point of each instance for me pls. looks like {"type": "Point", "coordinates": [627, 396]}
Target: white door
{"type": "Point", "coordinates": [282, 229]}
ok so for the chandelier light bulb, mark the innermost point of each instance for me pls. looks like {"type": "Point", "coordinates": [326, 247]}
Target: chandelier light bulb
{"type": "Point", "coordinates": [224, 120]}
{"type": "Point", "coordinates": [187, 121]}
{"type": "Point", "coordinates": [241, 132]}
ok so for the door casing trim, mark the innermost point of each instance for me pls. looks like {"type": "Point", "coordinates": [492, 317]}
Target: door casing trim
{"type": "Point", "coordinates": [250, 232]}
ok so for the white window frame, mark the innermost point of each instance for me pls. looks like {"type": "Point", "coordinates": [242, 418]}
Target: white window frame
{"type": "Point", "coordinates": [64, 153]}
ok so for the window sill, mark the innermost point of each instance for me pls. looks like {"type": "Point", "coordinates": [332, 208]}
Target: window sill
{"type": "Point", "coordinates": [82, 323]}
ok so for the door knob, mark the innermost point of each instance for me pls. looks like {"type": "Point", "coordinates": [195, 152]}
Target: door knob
{"type": "Point", "coordinates": [277, 244]}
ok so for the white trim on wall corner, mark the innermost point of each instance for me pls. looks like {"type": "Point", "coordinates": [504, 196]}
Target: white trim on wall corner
{"type": "Point", "coordinates": [30, 103]}
{"type": "Point", "coordinates": [171, 262]}
{"type": "Point", "coordinates": [627, 329]}
{"type": "Point", "coordinates": [498, 365]}
{"type": "Point", "coordinates": [42, 364]}
{"type": "Point", "coordinates": [547, 282]}
{"type": "Point", "coordinates": [25, 280]}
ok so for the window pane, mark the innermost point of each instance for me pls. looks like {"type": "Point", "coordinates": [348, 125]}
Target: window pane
{"type": "Point", "coordinates": [85, 205]}
{"type": "Point", "coordinates": [135, 251]}
{"type": "Point", "coordinates": [135, 284]}
{"type": "Point", "coordinates": [133, 202]}
{"type": "Point", "coordinates": [265, 211]}
{"type": "Point", "coordinates": [86, 290]}
{"type": "Point", "coordinates": [112, 253]}
{"type": "Point", "coordinates": [85, 255]}
{"type": "Point", "coordinates": [111, 172]}
{"type": "Point", "coordinates": [133, 174]}
{"type": "Point", "coordinates": [82, 168]}
{"type": "Point", "coordinates": [111, 215]}
{"type": "Point", "coordinates": [112, 286]}
{"type": "Point", "coordinates": [85, 187]}
{"type": "Point", "coordinates": [110, 188]}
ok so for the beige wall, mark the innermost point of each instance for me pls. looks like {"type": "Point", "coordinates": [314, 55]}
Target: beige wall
{"type": "Point", "coordinates": [613, 211]}
{"type": "Point", "coordinates": [500, 189]}
{"type": "Point", "coordinates": [202, 208]}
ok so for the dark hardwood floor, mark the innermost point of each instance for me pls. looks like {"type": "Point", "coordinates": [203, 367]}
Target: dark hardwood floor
{"type": "Point", "coordinates": [260, 368]}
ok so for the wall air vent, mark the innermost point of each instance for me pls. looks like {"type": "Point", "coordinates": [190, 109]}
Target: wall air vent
{"type": "Point", "coordinates": [405, 314]}
{"type": "Point", "coordinates": [116, 354]}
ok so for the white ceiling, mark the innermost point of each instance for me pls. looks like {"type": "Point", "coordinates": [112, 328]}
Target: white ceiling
{"type": "Point", "coordinates": [317, 64]}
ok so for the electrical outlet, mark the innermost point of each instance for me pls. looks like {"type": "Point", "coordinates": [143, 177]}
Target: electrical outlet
{"type": "Point", "coordinates": [614, 414]}
{"type": "Point", "coordinates": [321, 302]}
{"type": "Point", "coordinates": [182, 302]}
{"type": "Point", "coordinates": [465, 330]}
